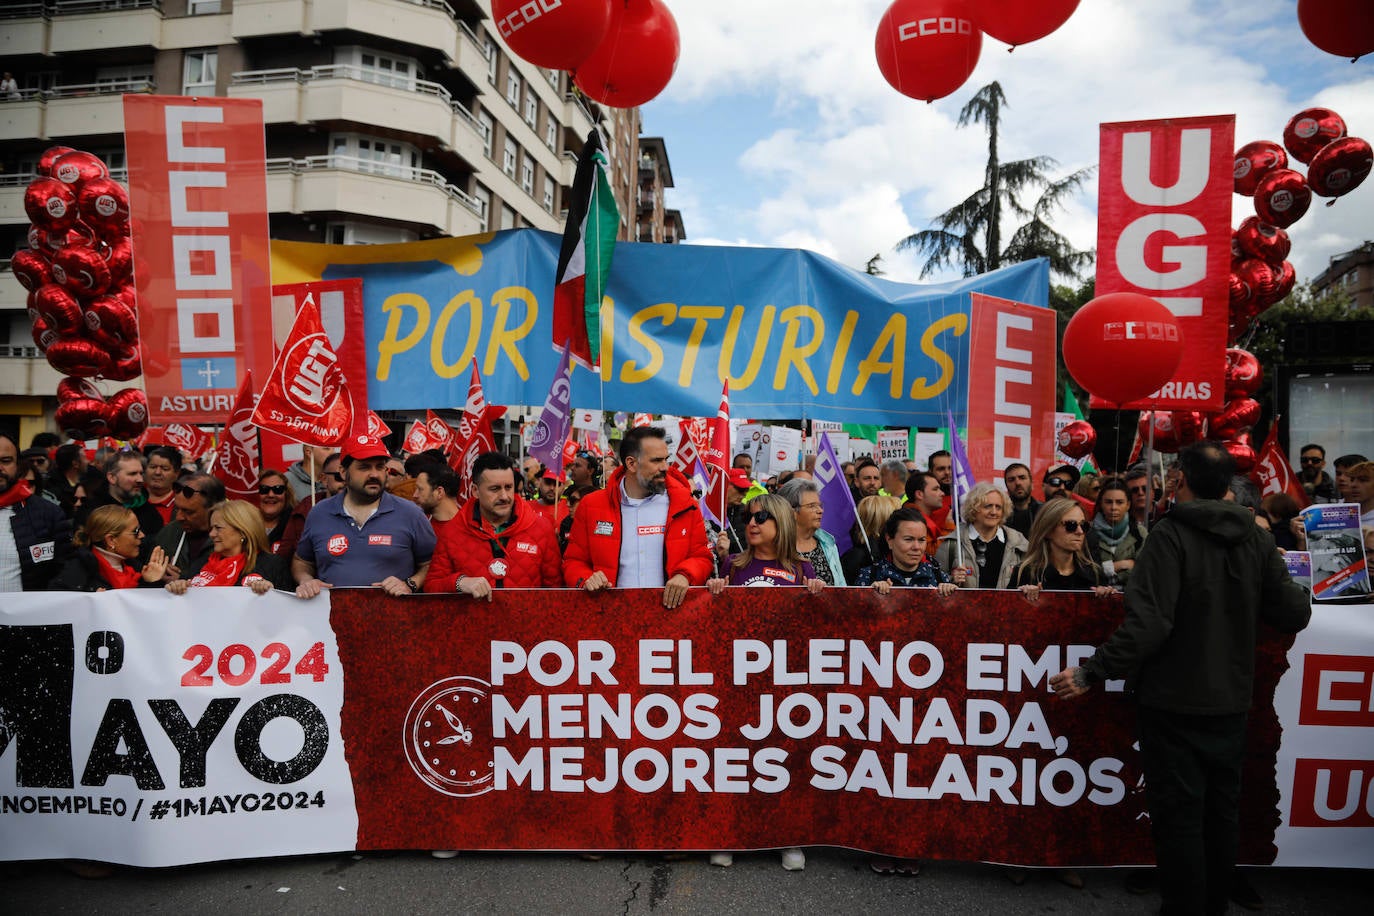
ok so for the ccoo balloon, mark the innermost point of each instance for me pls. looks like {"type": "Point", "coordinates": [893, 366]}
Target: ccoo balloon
{"type": "Point", "coordinates": [926, 49]}
{"type": "Point", "coordinates": [1122, 346]}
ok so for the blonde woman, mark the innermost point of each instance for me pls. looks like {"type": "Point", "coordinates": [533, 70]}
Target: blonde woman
{"type": "Point", "coordinates": [107, 550]}
{"type": "Point", "coordinates": [239, 553]}
{"type": "Point", "coordinates": [1057, 558]}
{"type": "Point", "coordinates": [991, 550]}
{"type": "Point", "coordinates": [873, 512]}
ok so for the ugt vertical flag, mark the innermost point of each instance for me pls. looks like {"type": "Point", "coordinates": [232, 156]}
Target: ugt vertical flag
{"type": "Point", "coordinates": [584, 262]}
{"type": "Point", "coordinates": [551, 430]}
{"type": "Point", "coordinates": [239, 453]}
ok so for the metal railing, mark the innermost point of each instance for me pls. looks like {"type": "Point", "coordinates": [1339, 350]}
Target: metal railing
{"type": "Point", "coordinates": [22, 179]}
{"type": "Point", "coordinates": [8, 352]}
{"type": "Point", "coordinates": [108, 87]}
{"type": "Point", "coordinates": [23, 10]}
{"type": "Point", "coordinates": [377, 169]}
{"type": "Point", "coordinates": [76, 7]}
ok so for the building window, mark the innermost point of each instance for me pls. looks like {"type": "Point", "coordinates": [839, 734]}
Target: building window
{"type": "Point", "coordinates": [548, 195]}
{"type": "Point", "coordinates": [551, 134]}
{"type": "Point", "coordinates": [376, 67]}
{"type": "Point", "coordinates": [484, 127]}
{"type": "Point", "coordinates": [513, 89]}
{"type": "Point", "coordinates": [507, 217]}
{"type": "Point", "coordinates": [124, 76]}
{"type": "Point", "coordinates": [508, 158]}
{"type": "Point", "coordinates": [483, 198]}
{"type": "Point", "coordinates": [375, 155]}
{"type": "Point", "coordinates": [202, 7]}
{"type": "Point", "coordinates": [527, 176]}
{"type": "Point", "coordinates": [491, 61]}
{"type": "Point", "coordinates": [354, 233]}
{"type": "Point", "coordinates": [198, 72]}
{"type": "Point", "coordinates": [531, 110]}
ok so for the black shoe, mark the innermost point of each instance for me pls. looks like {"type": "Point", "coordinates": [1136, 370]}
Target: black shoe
{"type": "Point", "coordinates": [1243, 893]}
{"type": "Point", "coordinates": [1140, 881]}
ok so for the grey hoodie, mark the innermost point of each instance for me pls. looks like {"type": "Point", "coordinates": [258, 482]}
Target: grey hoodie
{"type": "Point", "coordinates": [1203, 580]}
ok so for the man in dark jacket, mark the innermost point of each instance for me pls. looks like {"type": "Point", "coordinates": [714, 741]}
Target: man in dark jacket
{"type": "Point", "coordinates": [124, 487]}
{"type": "Point", "coordinates": [186, 541]}
{"type": "Point", "coordinates": [35, 536]}
{"type": "Point", "coordinates": [1203, 580]}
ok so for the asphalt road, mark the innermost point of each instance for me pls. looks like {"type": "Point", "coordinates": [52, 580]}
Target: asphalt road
{"type": "Point", "coordinates": [835, 881]}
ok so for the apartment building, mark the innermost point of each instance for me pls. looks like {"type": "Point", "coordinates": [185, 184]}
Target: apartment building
{"type": "Point", "coordinates": [654, 220]}
{"type": "Point", "coordinates": [386, 121]}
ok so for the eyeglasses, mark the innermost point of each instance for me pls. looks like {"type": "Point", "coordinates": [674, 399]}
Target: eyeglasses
{"type": "Point", "coordinates": [761, 517]}
{"type": "Point", "coordinates": [815, 506]}
{"type": "Point", "coordinates": [1311, 459]}
{"type": "Point", "coordinates": [335, 476]}
{"type": "Point", "coordinates": [135, 532]}
{"type": "Point", "coordinates": [1056, 482]}
{"type": "Point", "coordinates": [1071, 525]}
{"type": "Point", "coordinates": [188, 492]}
{"type": "Point", "coordinates": [1135, 490]}
{"type": "Point", "coordinates": [266, 488]}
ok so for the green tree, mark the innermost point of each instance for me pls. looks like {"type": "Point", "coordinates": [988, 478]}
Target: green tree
{"type": "Point", "coordinates": [969, 235]}
{"type": "Point", "coordinates": [874, 266]}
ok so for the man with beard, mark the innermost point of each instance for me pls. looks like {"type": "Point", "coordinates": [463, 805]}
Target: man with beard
{"type": "Point", "coordinates": [868, 480]}
{"type": "Point", "coordinates": [35, 537]}
{"type": "Point", "coordinates": [498, 539]}
{"type": "Point", "coordinates": [549, 504]}
{"type": "Point", "coordinates": [124, 487]}
{"type": "Point", "coordinates": [923, 493]}
{"type": "Point", "coordinates": [582, 471]}
{"type": "Point", "coordinates": [364, 536]}
{"type": "Point", "coordinates": [436, 493]}
{"type": "Point", "coordinates": [186, 539]}
{"type": "Point", "coordinates": [1017, 477]}
{"type": "Point", "coordinates": [644, 530]}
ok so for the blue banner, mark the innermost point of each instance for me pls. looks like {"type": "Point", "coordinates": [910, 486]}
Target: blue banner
{"type": "Point", "coordinates": [797, 335]}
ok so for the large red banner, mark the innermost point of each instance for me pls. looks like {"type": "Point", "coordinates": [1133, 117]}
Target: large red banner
{"type": "Point", "coordinates": [1164, 230]}
{"type": "Point", "coordinates": [1012, 383]}
{"type": "Point", "coordinates": [198, 197]}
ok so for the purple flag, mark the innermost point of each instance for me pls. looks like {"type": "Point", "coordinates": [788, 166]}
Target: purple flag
{"type": "Point", "coordinates": [836, 499]}
{"type": "Point", "coordinates": [701, 482]}
{"type": "Point", "coordinates": [551, 431]}
{"type": "Point", "coordinates": [963, 480]}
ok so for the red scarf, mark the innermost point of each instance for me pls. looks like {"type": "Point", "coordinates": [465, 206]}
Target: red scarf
{"type": "Point", "coordinates": [124, 577]}
{"type": "Point", "coordinates": [220, 570]}
{"type": "Point", "coordinates": [16, 494]}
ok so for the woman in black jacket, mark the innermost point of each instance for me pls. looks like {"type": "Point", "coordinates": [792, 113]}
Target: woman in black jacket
{"type": "Point", "coordinates": [107, 549]}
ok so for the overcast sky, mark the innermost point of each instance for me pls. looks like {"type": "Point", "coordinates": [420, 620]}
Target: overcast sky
{"type": "Point", "coordinates": [781, 131]}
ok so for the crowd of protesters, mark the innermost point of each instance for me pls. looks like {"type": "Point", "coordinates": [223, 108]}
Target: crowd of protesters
{"type": "Point", "coordinates": [362, 517]}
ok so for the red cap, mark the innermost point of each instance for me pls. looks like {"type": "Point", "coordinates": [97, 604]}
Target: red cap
{"type": "Point", "coordinates": [360, 448]}
{"type": "Point", "coordinates": [739, 477]}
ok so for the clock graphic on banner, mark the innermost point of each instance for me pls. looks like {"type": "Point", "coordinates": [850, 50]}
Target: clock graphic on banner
{"type": "Point", "coordinates": [448, 736]}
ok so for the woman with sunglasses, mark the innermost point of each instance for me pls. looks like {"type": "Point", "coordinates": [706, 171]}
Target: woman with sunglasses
{"type": "Point", "coordinates": [1057, 558]}
{"type": "Point", "coordinates": [107, 549]}
{"type": "Point", "coordinates": [276, 503]}
{"type": "Point", "coordinates": [1114, 538]}
{"type": "Point", "coordinates": [239, 554]}
{"type": "Point", "coordinates": [769, 558]}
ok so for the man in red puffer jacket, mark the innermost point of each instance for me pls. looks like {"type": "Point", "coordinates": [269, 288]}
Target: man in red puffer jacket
{"type": "Point", "coordinates": [644, 530]}
{"type": "Point", "coordinates": [497, 540]}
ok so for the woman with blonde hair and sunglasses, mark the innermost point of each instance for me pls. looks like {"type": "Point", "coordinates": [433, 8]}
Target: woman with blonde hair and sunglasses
{"type": "Point", "coordinates": [107, 550]}
{"type": "Point", "coordinates": [769, 558]}
{"type": "Point", "coordinates": [239, 553]}
{"type": "Point", "coordinates": [1057, 557]}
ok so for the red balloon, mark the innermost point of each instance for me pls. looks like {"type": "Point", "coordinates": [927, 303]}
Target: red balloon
{"type": "Point", "coordinates": [1122, 346]}
{"type": "Point", "coordinates": [1258, 239]}
{"type": "Point", "coordinates": [110, 322]}
{"type": "Point", "coordinates": [1241, 295]}
{"type": "Point", "coordinates": [1287, 279]}
{"type": "Point", "coordinates": [1262, 280]}
{"type": "Point", "coordinates": [50, 204]}
{"type": "Point", "coordinates": [1311, 129]}
{"type": "Point", "coordinates": [83, 418]}
{"type": "Point", "coordinates": [49, 156]}
{"type": "Point", "coordinates": [1187, 426]}
{"type": "Point", "coordinates": [71, 388]}
{"type": "Point", "coordinates": [128, 364]}
{"type": "Point", "coordinates": [635, 59]}
{"type": "Point", "coordinates": [1016, 22]}
{"type": "Point", "coordinates": [77, 235]}
{"type": "Point", "coordinates": [1340, 167]}
{"type": "Point", "coordinates": [1242, 453]}
{"type": "Point", "coordinates": [78, 356]}
{"type": "Point", "coordinates": [43, 334]}
{"type": "Point", "coordinates": [1254, 161]}
{"type": "Point", "coordinates": [31, 269]}
{"type": "Point", "coordinates": [1160, 425]}
{"type": "Point", "coordinates": [561, 37]}
{"type": "Point", "coordinates": [1344, 28]}
{"type": "Point", "coordinates": [1235, 417]}
{"type": "Point", "coordinates": [120, 257]}
{"type": "Point", "coordinates": [56, 306]}
{"type": "Point", "coordinates": [78, 167]}
{"type": "Point", "coordinates": [103, 201]}
{"type": "Point", "coordinates": [1243, 373]}
{"type": "Point", "coordinates": [82, 271]}
{"type": "Point", "coordinates": [1077, 439]}
{"type": "Point", "coordinates": [126, 413]}
{"type": "Point", "coordinates": [926, 49]}
{"type": "Point", "coordinates": [1282, 197]}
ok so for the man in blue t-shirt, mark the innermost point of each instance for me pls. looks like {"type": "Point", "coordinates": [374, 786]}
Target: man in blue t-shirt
{"type": "Point", "coordinates": [364, 536]}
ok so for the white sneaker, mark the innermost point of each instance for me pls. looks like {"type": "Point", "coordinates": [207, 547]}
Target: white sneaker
{"type": "Point", "coordinates": [444, 853]}
{"type": "Point", "coordinates": [722, 859]}
{"type": "Point", "coordinates": [793, 859]}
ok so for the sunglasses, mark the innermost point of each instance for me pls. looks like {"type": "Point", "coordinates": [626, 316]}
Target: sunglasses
{"type": "Point", "coordinates": [1138, 489]}
{"type": "Point", "coordinates": [136, 532]}
{"type": "Point", "coordinates": [335, 476]}
{"type": "Point", "coordinates": [1311, 459]}
{"type": "Point", "coordinates": [277, 489]}
{"type": "Point", "coordinates": [188, 492]}
{"type": "Point", "coordinates": [761, 517]}
{"type": "Point", "coordinates": [1056, 482]}
{"type": "Point", "coordinates": [1072, 525]}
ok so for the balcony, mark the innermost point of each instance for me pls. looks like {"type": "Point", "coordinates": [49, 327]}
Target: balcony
{"type": "Point", "coordinates": [99, 25]}
{"type": "Point", "coordinates": [358, 95]}
{"type": "Point", "coordinates": [77, 110]}
{"type": "Point", "coordinates": [12, 194]}
{"type": "Point", "coordinates": [370, 189]}
{"type": "Point", "coordinates": [23, 30]}
{"type": "Point", "coordinates": [25, 373]}
{"type": "Point", "coordinates": [423, 23]}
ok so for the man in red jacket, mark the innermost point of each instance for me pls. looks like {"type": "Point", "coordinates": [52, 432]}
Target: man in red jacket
{"type": "Point", "coordinates": [644, 530]}
{"type": "Point", "coordinates": [497, 539]}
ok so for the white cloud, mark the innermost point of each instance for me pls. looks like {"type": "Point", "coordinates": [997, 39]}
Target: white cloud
{"type": "Point", "coordinates": [844, 165]}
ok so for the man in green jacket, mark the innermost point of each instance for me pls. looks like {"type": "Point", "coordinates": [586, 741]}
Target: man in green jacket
{"type": "Point", "coordinates": [1202, 582]}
